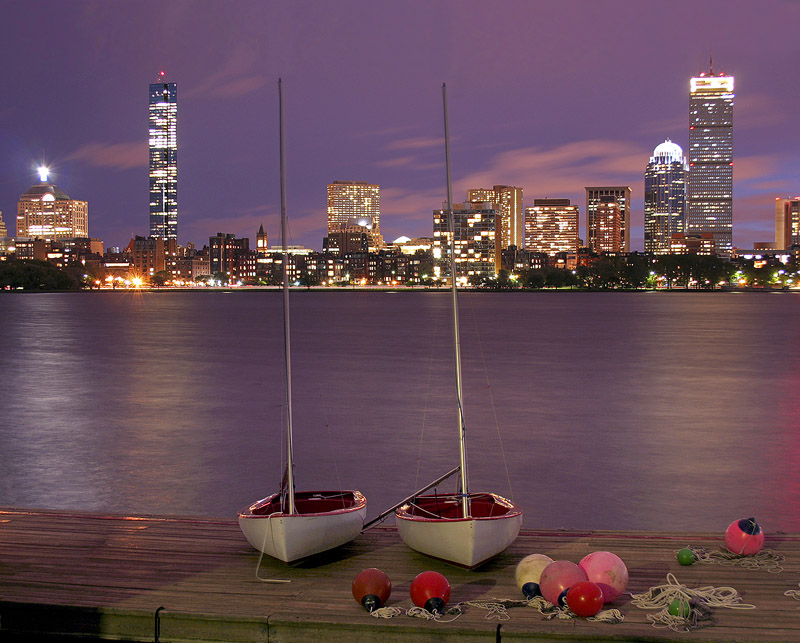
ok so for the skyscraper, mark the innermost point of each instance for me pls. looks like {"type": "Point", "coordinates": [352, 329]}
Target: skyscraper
{"type": "Point", "coordinates": [551, 226]}
{"type": "Point", "coordinates": [710, 192]}
{"type": "Point", "coordinates": [507, 201]}
{"type": "Point", "coordinates": [787, 222]}
{"type": "Point", "coordinates": [355, 203]}
{"type": "Point", "coordinates": [164, 159]}
{"type": "Point", "coordinates": [621, 195]}
{"type": "Point", "coordinates": [46, 212]}
{"type": "Point", "coordinates": [664, 197]}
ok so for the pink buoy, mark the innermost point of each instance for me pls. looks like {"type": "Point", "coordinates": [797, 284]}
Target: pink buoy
{"type": "Point", "coordinates": [607, 571]}
{"type": "Point", "coordinates": [744, 537]}
{"type": "Point", "coordinates": [558, 576]}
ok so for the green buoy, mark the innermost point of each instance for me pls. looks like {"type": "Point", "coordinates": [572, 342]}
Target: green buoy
{"type": "Point", "coordinates": [685, 556]}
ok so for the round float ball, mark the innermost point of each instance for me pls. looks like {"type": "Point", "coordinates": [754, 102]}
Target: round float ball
{"type": "Point", "coordinates": [558, 576]}
{"type": "Point", "coordinates": [529, 571]}
{"type": "Point", "coordinates": [371, 588]}
{"type": "Point", "coordinates": [585, 598]}
{"type": "Point", "coordinates": [430, 590]}
{"type": "Point", "coordinates": [685, 556]}
{"type": "Point", "coordinates": [680, 607]}
{"type": "Point", "coordinates": [562, 598]}
{"type": "Point", "coordinates": [744, 537]}
{"type": "Point", "coordinates": [607, 571]}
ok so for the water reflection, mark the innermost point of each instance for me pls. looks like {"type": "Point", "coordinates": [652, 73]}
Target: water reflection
{"type": "Point", "coordinates": [624, 411]}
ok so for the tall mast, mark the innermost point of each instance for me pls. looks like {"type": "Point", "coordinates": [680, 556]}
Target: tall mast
{"type": "Point", "coordinates": [286, 334]}
{"type": "Point", "coordinates": [462, 429]}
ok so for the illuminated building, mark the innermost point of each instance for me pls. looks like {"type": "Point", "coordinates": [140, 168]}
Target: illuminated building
{"type": "Point", "coordinates": [694, 244]}
{"type": "Point", "coordinates": [621, 195]}
{"type": "Point", "coordinates": [608, 219]}
{"type": "Point", "coordinates": [355, 203]}
{"type": "Point", "coordinates": [45, 212]}
{"type": "Point", "coordinates": [476, 249]}
{"type": "Point", "coordinates": [231, 256]}
{"type": "Point", "coordinates": [787, 222]}
{"type": "Point", "coordinates": [149, 255]}
{"type": "Point", "coordinates": [709, 202]}
{"type": "Point", "coordinates": [164, 159]}
{"type": "Point", "coordinates": [507, 202]}
{"type": "Point", "coordinates": [347, 240]}
{"type": "Point", "coordinates": [551, 226]}
{"type": "Point", "coordinates": [664, 196]}
{"type": "Point", "coordinates": [3, 230]}
{"type": "Point", "coordinates": [262, 242]}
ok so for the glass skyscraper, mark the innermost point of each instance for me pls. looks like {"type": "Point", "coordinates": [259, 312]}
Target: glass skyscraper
{"type": "Point", "coordinates": [164, 159]}
{"type": "Point", "coordinates": [710, 193]}
{"type": "Point", "coordinates": [664, 196]}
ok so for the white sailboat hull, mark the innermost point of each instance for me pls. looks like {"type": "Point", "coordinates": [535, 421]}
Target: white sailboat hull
{"type": "Point", "coordinates": [324, 520]}
{"type": "Point", "coordinates": [432, 525]}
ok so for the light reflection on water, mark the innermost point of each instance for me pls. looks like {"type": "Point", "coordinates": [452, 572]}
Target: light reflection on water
{"type": "Point", "coordinates": [667, 411]}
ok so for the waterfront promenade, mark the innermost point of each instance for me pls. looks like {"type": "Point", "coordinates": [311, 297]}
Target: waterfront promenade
{"type": "Point", "coordinates": [106, 577]}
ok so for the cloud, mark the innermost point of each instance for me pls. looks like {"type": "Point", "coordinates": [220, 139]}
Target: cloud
{"type": "Point", "coordinates": [416, 143]}
{"type": "Point", "coordinates": [238, 77]}
{"type": "Point", "coordinates": [120, 156]}
{"type": "Point", "coordinates": [221, 85]}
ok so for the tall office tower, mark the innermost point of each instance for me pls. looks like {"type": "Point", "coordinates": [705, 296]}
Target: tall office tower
{"type": "Point", "coordinates": [787, 222]}
{"type": "Point", "coordinates": [709, 202]}
{"type": "Point", "coordinates": [507, 201]}
{"type": "Point", "coordinates": [551, 226]}
{"type": "Point", "coordinates": [3, 230]}
{"type": "Point", "coordinates": [45, 212]}
{"type": "Point", "coordinates": [355, 203]}
{"type": "Point", "coordinates": [609, 223]}
{"type": "Point", "coordinates": [476, 248]}
{"type": "Point", "coordinates": [164, 159]}
{"type": "Point", "coordinates": [621, 196]}
{"type": "Point", "coordinates": [664, 196]}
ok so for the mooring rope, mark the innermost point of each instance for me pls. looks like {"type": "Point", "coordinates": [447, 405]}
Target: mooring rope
{"type": "Point", "coordinates": [692, 607]}
{"type": "Point", "coordinates": [497, 609]}
{"type": "Point", "coordinates": [793, 593]}
{"type": "Point", "coordinates": [766, 559]}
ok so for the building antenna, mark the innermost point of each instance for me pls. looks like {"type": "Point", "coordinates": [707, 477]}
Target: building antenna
{"type": "Point", "coordinates": [710, 63]}
{"type": "Point", "coordinates": [161, 76]}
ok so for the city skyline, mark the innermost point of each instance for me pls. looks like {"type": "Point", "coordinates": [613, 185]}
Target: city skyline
{"type": "Point", "coordinates": [362, 88]}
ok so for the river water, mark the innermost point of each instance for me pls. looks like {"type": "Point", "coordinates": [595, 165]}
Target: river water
{"type": "Point", "coordinates": [656, 411]}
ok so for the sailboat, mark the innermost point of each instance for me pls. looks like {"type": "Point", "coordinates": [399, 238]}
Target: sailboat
{"type": "Point", "coordinates": [291, 525]}
{"type": "Point", "coordinates": [463, 528]}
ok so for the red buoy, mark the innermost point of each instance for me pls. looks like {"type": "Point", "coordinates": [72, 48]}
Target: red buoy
{"type": "Point", "coordinates": [744, 537]}
{"type": "Point", "coordinates": [371, 588]}
{"type": "Point", "coordinates": [585, 598]}
{"type": "Point", "coordinates": [430, 590]}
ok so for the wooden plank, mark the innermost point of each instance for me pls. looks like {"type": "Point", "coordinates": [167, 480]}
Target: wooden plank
{"type": "Point", "coordinates": [105, 576]}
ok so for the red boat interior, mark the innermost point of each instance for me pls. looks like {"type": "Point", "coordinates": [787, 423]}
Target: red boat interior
{"type": "Point", "coordinates": [449, 506]}
{"type": "Point", "coordinates": [309, 502]}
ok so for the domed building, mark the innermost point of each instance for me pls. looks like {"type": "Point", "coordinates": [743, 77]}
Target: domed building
{"type": "Point", "coordinates": [664, 196]}
{"type": "Point", "coordinates": [46, 212]}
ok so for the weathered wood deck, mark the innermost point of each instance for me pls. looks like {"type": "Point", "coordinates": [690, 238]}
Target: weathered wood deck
{"type": "Point", "coordinates": [105, 577]}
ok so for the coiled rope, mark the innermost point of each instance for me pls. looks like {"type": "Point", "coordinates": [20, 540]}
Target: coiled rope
{"type": "Point", "coordinates": [766, 559]}
{"type": "Point", "coordinates": [793, 593]}
{"type": "Point", "coordinates": [497, 609]}
{"type": "Point", "coordinates": [694, 605]}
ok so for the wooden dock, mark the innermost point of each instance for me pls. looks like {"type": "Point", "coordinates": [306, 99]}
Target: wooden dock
{"type": "Point", "coordinates": [144, 578]}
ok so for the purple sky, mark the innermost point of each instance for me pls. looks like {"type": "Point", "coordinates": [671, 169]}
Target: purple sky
{"type": "Point", "coordinates": [548, 96]}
